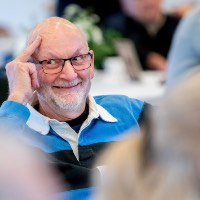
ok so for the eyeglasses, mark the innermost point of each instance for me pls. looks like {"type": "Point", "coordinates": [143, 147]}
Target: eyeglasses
{"type": "Point", "coordinates": [54, 66]}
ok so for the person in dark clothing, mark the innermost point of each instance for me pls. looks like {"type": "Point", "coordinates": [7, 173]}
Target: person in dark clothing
{"type": "Point", "coordinates": [150, 30]}
{"type": "Point", "coordinates": [98, 7]}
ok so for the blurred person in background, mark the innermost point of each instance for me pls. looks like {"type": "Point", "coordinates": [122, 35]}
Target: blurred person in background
{"type": "Point", "coordinates": [49, 103]}
{"type": "Point", "coordinates": [25, 173]}
{"type": "Point", "coordinates": [151, 31]}
{"type": "Point", "coordinates": [161, 163]}
{"type": "Point", "coordinates": [98, 7]}
{"type": "Point", "coordinates": [184, 54]}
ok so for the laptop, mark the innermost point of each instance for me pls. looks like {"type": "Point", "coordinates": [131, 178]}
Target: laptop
{"type": "Point", "coordinates": [127, 51]}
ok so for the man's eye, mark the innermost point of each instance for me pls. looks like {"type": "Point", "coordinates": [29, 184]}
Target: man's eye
{"type": "Point", "coordinates": [50, 62]}
{"type": "Point", "coordinates": [77, 58]}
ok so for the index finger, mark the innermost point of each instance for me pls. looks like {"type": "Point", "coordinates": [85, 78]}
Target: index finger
{"type": "Point", "coordinates": [25, 55]}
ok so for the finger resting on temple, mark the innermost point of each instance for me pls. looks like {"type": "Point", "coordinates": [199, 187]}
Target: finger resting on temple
{"type": "Point", "coordinates": [26, 54]}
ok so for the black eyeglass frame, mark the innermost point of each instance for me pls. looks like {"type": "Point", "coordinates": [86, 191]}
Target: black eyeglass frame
{"type": "Point", "coordinates": [70, 59]}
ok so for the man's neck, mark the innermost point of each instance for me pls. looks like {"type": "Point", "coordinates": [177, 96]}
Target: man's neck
{"type": "Point", "coordinates": [153, 27]}
{"type": "Point", "coordinates": [60, 115]}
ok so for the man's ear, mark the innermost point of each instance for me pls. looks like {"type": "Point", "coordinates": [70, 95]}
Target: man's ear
{"type": "Point", "coordinates": [92, 65]}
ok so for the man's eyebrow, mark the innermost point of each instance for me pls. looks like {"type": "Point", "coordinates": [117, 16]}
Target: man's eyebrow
{"type": "Point", "coordinates": [77, 52]}
{"type": "Point", "coordinates": [51, 55]}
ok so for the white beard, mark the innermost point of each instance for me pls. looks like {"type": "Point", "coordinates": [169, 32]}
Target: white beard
{"type": "Point", "coordinates": [71, 101]}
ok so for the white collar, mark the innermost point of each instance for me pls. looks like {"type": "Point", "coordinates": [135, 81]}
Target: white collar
{"type": "Point", "coordinates": [41, 123]}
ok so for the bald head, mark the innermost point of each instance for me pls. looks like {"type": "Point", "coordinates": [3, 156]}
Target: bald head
{"type": "Point", "coordinates": [51, 26]}
{"type": "Point", "coordinates": [55, 33]}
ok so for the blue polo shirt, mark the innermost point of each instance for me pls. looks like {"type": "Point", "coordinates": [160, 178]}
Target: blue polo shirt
{"type": "Point", "coordinates": [73, 154]}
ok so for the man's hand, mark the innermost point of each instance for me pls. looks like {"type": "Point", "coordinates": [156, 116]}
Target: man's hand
{"type": "Point", "coordinates": [156, 61]}
{"type": "Point", "coordinates": [22, 75]}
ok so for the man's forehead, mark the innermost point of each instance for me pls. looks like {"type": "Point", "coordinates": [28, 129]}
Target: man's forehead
{"type": "Point", "coordinates": [59, 33]}
{"type": "Point", "coordinates": [54, 23]}
{"type": "Point", "coordinates": [51, 26]}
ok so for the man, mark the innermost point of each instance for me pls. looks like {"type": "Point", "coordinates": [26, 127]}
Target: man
{"type": "Point", "coordinates": [151, 31]}
{"type": "Point", "coordinates": [49, 103]}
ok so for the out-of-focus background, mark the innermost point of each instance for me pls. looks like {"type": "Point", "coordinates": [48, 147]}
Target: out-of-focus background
{"type": "Point", "coordinates": [18, 16]}
{"type": "Point", "coordinates": [121, 70]}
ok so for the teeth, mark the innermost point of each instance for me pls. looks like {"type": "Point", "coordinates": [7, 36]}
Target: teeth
{"type": "Point", "coordinates": [65, 86]}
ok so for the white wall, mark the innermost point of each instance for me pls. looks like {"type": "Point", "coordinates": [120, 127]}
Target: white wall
{"type": "Point", "coordinates": [21, 15]}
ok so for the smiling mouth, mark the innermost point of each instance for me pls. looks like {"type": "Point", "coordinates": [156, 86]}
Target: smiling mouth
{"type": "Point", "coordinates": [66, 87]}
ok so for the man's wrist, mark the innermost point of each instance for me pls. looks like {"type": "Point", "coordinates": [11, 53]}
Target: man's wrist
{"type": "Point", "coordinates": [18, 98]}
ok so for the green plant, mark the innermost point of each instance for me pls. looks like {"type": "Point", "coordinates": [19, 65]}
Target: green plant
{"type": "Point", "coordinates": [100, 41]}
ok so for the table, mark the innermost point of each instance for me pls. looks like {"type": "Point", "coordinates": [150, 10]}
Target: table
{"type": "Point", "coordinates": [150, 87]}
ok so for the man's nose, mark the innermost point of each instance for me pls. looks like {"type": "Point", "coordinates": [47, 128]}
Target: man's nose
{"type": "Point", "coordinates": [68, 72]}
